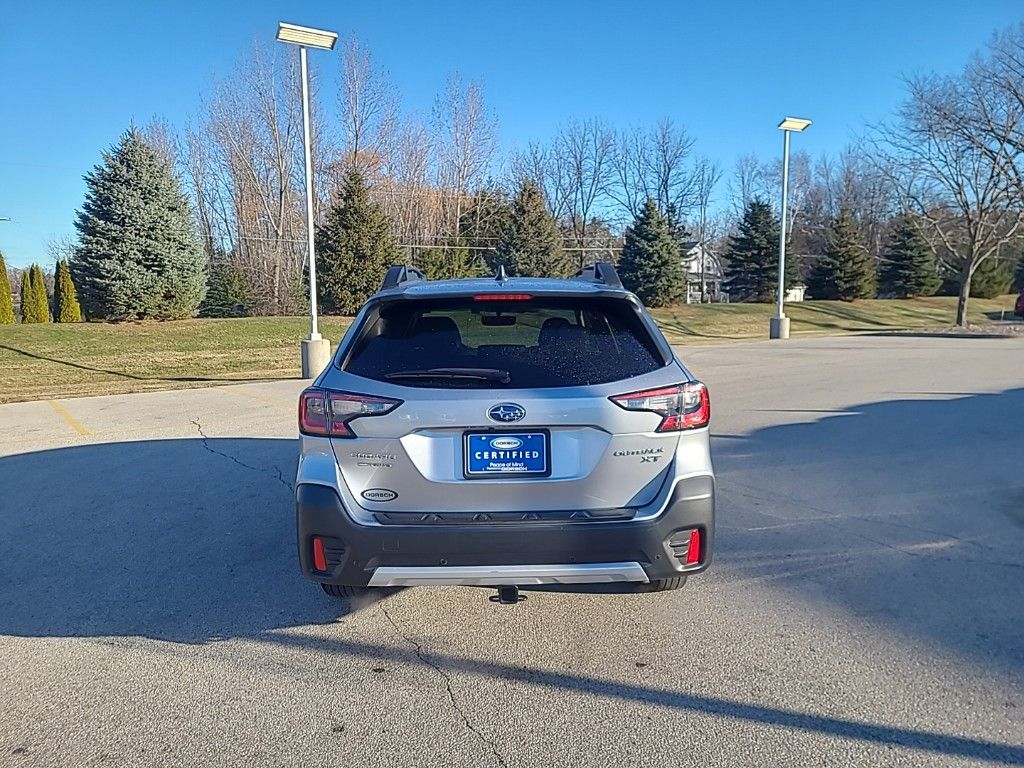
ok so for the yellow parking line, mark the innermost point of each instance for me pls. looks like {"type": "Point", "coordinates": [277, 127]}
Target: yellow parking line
{"type": "Point", "coordinates": [267, 400]}
{"type": "Point", "coordinates": [71, 420]}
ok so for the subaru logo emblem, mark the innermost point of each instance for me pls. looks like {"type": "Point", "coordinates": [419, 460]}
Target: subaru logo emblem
{"type": "Point", "coordinates": [506, 413]}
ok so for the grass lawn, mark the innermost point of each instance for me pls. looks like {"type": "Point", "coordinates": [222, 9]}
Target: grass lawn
{"type": "Point", "coordinates": [708, 323]}
{"type": "Point", "coordinates": [55, 361]}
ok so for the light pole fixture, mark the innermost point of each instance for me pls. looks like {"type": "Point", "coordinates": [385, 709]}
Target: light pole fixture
{"type": "Point", "coordinates": [779, 325]}
{"type": "Point", "coordinates": [316, 351]}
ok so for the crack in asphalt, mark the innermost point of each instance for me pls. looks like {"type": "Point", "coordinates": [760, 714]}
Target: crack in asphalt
{"type": "Point", "coordinates": [277, 474]}
{"type": "Point", "coordinates": [448, 686]}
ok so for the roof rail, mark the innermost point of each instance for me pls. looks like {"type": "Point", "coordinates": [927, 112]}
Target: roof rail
{"type": "Point", "coordinates": [399, 274]}
{"type": "Point", "coordinates": [602, 272]}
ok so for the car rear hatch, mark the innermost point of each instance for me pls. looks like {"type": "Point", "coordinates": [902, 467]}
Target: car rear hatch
{"type": "Point", "coordinates": [487, 408]}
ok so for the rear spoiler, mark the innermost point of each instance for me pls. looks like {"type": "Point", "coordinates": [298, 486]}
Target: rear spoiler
{"type": "Point", "coordinates": [398, 275]}
{"type": "Point", "coordinates": [601, 272]}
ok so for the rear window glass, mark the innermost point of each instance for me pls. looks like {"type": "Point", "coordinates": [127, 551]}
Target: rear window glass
{"type": "Point", "coordinates": [542, 342]}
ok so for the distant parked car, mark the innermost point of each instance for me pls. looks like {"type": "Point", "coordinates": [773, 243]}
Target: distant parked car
{"type": "Point", "coordinates": [1018, 308]}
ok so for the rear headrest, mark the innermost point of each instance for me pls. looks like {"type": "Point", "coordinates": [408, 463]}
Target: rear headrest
{"type": "Point", "coordinates": [436, 325]}
{"type": "Point", "coordinates": [554, 328]}
{"type": "Point", "coordinates": [442, 330]}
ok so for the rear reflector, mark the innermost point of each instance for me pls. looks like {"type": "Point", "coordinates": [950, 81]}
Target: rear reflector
{"type": "Point", "coordinates": [319, 556]}
{"type": "Point", "coordinates": [693, 550]}
{"type": "Point", "coordinates": [503, 297]}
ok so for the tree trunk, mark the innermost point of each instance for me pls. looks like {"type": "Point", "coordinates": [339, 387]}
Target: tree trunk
{"type": "Point", "coordinates": [961, 304]}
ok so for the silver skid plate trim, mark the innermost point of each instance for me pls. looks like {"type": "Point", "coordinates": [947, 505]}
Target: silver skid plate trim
{"type": "Point", "coordinates": [507, 575]}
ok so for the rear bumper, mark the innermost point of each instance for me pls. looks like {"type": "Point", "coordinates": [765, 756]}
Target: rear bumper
{"type": "Point", "coordinates": [521, 553]}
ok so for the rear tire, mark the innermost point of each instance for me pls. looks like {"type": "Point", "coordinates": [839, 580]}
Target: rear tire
{"type": "Point", "coordinates": [662, 585]}
{"type": "Point", "coordinates": [344, 591]}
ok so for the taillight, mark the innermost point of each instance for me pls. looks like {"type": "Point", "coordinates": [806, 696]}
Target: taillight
{"type": "Point", "coordinates": [328, 413]}
{"type": "Point", "coordinates": [683, 406]}
{"type": "Point", "coordinates": [503, 297]}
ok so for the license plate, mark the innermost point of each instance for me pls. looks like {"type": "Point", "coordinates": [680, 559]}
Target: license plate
{"type": "Point", "coordinates": [506, 453]}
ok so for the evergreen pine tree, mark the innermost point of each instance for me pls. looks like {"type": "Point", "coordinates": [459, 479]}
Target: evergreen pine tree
{"type": "Point", "coordinates": [354, 248]}
{"type": "Point", "coordinates": [846, 270]}
{"type": "Point", "coordinates": [65, 298]}
{"type": "Point", "coordinates": [481, 227]}
{"type": "Point", "coordinates": [650, 265]}
{"type": "Point", "coordinates": [6, 305]}
{"type": "Point", "coordinates": [909, 268]}
{"type": "Point", "coordinates": [28, 304]}
{"type": "Point", "coordinates": [454, 262]}
{"type": "Point", "coordinates": [530, 243]}
{"type": "Point", "coordinates": [39, 297]}
{"type": "Point", "coordinates": [752, 272]}
{"type": "Point", "coordinates": [138, 256]}
{"type": "Point", "coordinates": [992, 278]}
{"type": "Point", "coordinates": [227, 294]}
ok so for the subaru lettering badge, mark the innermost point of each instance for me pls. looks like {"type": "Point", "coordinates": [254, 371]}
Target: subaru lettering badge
{"type": "Point", "coordinates": [506, 413]}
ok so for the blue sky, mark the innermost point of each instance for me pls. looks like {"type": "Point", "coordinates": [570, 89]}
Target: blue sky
{"type": "Point", "coordinates": [73, 75]}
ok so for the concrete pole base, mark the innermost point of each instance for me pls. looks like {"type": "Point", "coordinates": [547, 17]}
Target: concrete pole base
{"type": "Point", "coordinates": [778, 328]}
{"type": "Point", "coordinates": [316, 355]}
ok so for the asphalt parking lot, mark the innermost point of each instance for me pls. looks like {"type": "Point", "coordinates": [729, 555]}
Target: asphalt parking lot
{"type": "Point", "coordinates": [866, 606]}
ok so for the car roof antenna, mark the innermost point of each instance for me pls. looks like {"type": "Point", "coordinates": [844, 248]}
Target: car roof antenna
{"type": "Point", "coordinates": [500, 276]}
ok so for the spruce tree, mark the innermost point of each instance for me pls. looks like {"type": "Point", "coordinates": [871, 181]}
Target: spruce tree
{"type": "Point", "coordinates": [38, 295]}
{"type": "Point", "coordinates": [227, 294]}
{"type": "Point", "coordinates": [650, 265]}
{"type": "Point", "coordinates": [752, 272]}
{"type": "Point", "coordinates": [992, 278]}
{"type": "Point", "coordinates": [448, 263]}
{"type": "Point", "coordinates": [354, 248]}
{"type": "Point", "coordinates": [65, 298]}
{"type": "Point", "coordinates": [6, 304]}
{"type": "Point", "coordinates": [481, 226]}
{"type": "Point", "coordinates": [138, 255]}
{"type": "Point", "coordinates": [846, 270]}
{"type": "Point", "coordinates": [909, 268]}
{"type": "Point", "coordinates": [530, 243]}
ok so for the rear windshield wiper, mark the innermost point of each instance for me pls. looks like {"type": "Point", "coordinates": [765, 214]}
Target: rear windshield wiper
{"type": "Point", "coordinates": [472, 374]}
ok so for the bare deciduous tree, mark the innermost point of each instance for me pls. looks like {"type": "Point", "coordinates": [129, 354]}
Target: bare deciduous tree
{"type": "Point", "coordinates": [537, 164]}
{"type": "Point", "coordinates": [581, 161]}
{"type": "Point", "coordinates": [953, 158]}
{"type": "Point", "coordinates": [245, 168]}
{"type": "Point", "coordinates": [655, 164]}
{"type": "Point", "coordinates": [465, 136]}
{"type": "Point", "coordinates": [706, 177]}
{"type": "Point", "coordinates": [369, 109]}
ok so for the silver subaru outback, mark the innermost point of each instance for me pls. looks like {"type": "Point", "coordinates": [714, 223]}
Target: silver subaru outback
{"type": "Point", "coordinates": [504, 432]}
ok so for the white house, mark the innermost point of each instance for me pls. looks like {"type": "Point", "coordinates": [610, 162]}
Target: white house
{"type": "Point", "coordinates": [702, 267]}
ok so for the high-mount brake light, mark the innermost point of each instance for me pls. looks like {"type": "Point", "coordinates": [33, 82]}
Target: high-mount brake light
{"type": "Point", "coordinates": [328, 413]}
{"type": "Point", "coordinates": [503, 297]}
{"type": "Point", "coordinates": [683, 406]}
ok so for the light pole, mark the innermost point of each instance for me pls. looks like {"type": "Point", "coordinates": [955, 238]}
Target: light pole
{"type": "Point", "coordinates": [316, 351]}
{"type": "Point", "coordinates": [779, 326]}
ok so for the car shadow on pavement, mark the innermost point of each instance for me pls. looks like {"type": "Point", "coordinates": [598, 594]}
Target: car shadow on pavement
{"type": "Point", "coordinates": [907, 515]}
{"type": "Point", "coordinates": [185, 540]}
{"type": "Point", "coordinates": [890, 736]}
